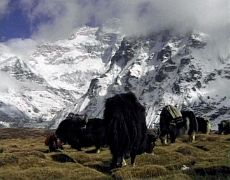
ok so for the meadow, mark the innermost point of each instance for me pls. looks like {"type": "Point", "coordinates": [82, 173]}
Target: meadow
{"type": "Point", "coordinates": [23, 155]}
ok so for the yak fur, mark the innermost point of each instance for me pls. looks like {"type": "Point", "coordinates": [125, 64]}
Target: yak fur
{"type": "Point", "coordinates": [126, 127]}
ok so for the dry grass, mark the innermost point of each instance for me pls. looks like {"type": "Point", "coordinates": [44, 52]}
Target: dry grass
{"type": "Point", "coordinates": [23, 155]}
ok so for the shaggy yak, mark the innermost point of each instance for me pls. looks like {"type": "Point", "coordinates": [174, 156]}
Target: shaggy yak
{"type": "Point", "coordinates": [78, 131]}
{"type": "Point", "coordinates": [94, 134]}
{"type": "Point", "coordinates": [126, 128]}
{"type": "Point", "coordinates": [204, 125]}
{"type": "Point", "coordinates": [190, 124]}
{"type": "Point", "coordinates": [175, 123]}
{"type": "Point", "coordinates": [224, 127]}
{"type": "Point", "coordinates": [70, 130]}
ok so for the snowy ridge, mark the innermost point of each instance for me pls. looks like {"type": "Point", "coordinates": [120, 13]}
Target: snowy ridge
{"type": "Point", "coordinates": [77, 75]}
{"type": "Point", "coordinates": [54, 76]}
{"type": "Point", "coordinates": [163, 68]}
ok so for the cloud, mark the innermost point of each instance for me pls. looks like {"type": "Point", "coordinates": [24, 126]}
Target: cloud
{"type": "Point", "coordinates": [137, 16]}
{"type": "Point", "coordinates": [181, 15]}
{"type": "Point", "coordinates": [9, 82]}
{"type": "Point", "coordinates": [3, 6]}
{"type": "Point", "coordinates": [20, 47]}
{"type": "Point", "coordinates": [58, 19]}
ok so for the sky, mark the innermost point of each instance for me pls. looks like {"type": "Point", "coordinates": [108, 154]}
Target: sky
{"type": "Point", "coordinates": [56, 19]}
{"type": "Point", "coordinates": [25, 23]}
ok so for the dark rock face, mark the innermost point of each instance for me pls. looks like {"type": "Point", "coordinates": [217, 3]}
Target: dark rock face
{"type": "Point", "coordinates": [165, 53]}
{"type": "Point", "coordinates": [160, 76]}
{"type": "Point", "coordinates": [185, 61]}
{"type": "Point", "coordinates": [198, 84]}
{"type": "Point", "coordinates": [161, 69]}
{"type": "Point", "coordinates": [192, 75]}
{"type": "Point", "coordinates": [169, 68]}
{"type": "Point", "coordinates": [219, 112]}
{"type": "Point", "coordinates": [93, 85]}
{"type": "Point", "coordinates": [176, 88]}
{"type": "Point", "coordinates": [210, 77]}
{"type": "Point", "coordinates": [22, 72]}
{"type": "Point", "coordinates": [126, 51]}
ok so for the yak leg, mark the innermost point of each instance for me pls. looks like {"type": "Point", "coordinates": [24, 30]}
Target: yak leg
{"type": "Point", "coordinates": [172, 137]}
{"type": "Point", "coordinates": [98, 149]}
{"type": "Point", "coordinates": [163, 140]}
{"type": "Point", "coordinates": [192, 137]}
{"type": "Point", "coordinates": [114, 161]}
{"type": "Point", "coordinates": [163, 137]}
{"type": "Point", "coordinates": [123, 162]}
{"type": "Point", "coordinates": [133, 156]}
{"type": "Point", "coordinates": [120, 161]}
{"type": "Point", "coordinates": [117, 161]}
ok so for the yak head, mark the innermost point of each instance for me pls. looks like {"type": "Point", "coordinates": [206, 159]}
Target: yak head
{"type": "Point", "coordinates": [150, 142]}
{"type": "Point", "coordinates": [221, 126]}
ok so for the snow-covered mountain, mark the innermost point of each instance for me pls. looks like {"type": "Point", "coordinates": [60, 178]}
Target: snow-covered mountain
{"type": "Point", "coordinates": [54, 76]}
{"type": "Point", "coordinates": [186, 70]}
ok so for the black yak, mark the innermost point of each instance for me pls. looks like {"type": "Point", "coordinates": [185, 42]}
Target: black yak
{"type": "Point", "coordinates": [224, 127]}
{"type": "Point", "coordinates": [126, 128]}
{"type": "Point", "coordinates": [175, 123]}
{"type": "Point", "coordinates": [93, 134]}
{"type": "Point", "coordinates": [190, 124]}
{"type": "Point", "coordinates": [81, 132]}
{"type": "Point", "coordinates": [152, 135]}
{"type": "Point", "coordinates": [70, 130]}
{"type": "Point", "coordinates": [169, 118]}
{"type": "Point", "coordinates": [204, 125]}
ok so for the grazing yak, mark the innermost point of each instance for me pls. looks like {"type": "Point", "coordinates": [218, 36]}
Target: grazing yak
{"type": "Point", "coordinates": [152, 135]}
{"type": "Point", "coordinates": [78, 131]}
{"type": "Point", "coordinates": [169, 118]}
{"type": "Point", "coordinates": [94, 134]}
{"type": "Point", "coordinates": [204, 125]}
{"type": "Point", "coordinates": [70, 130]}
{"type": "Point", "coordinates": [126, 128]}
{"type": "Point", "coordinates": [191, 125]}
{"type": "Point", "coordinates": [175, 123]}
{"type": "Point", "coordinates": [224, 127]}
{"type": "Point", "coordinates": [53, 142]}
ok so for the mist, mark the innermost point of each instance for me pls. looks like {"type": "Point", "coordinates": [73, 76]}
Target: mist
{"type": "Point", "coordinates": [9, 82]}
{"type": "Point", "coordinates": [61, 18]}
{"type": "Point", "coordinates": [136, 16]}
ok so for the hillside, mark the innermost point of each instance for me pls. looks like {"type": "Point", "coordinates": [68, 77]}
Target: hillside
{"type": "Point", "coordinates": [37, 86]}
{"type": "Point", "coordinates": [23, 155]}
{"type": "Point", "coordinates": [186, 70]}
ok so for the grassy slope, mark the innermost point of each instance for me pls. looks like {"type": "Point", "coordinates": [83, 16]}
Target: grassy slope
{"type": "Point", "coordinates": [23, 155]}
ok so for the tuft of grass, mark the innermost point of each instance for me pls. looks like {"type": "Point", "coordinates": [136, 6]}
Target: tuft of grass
{"type": "Point", "coordinates": [147, 171]}
{"type": "Point", "coordinates": [23, 155]}
{"type": "Point", "coordinates": [176, 176]}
